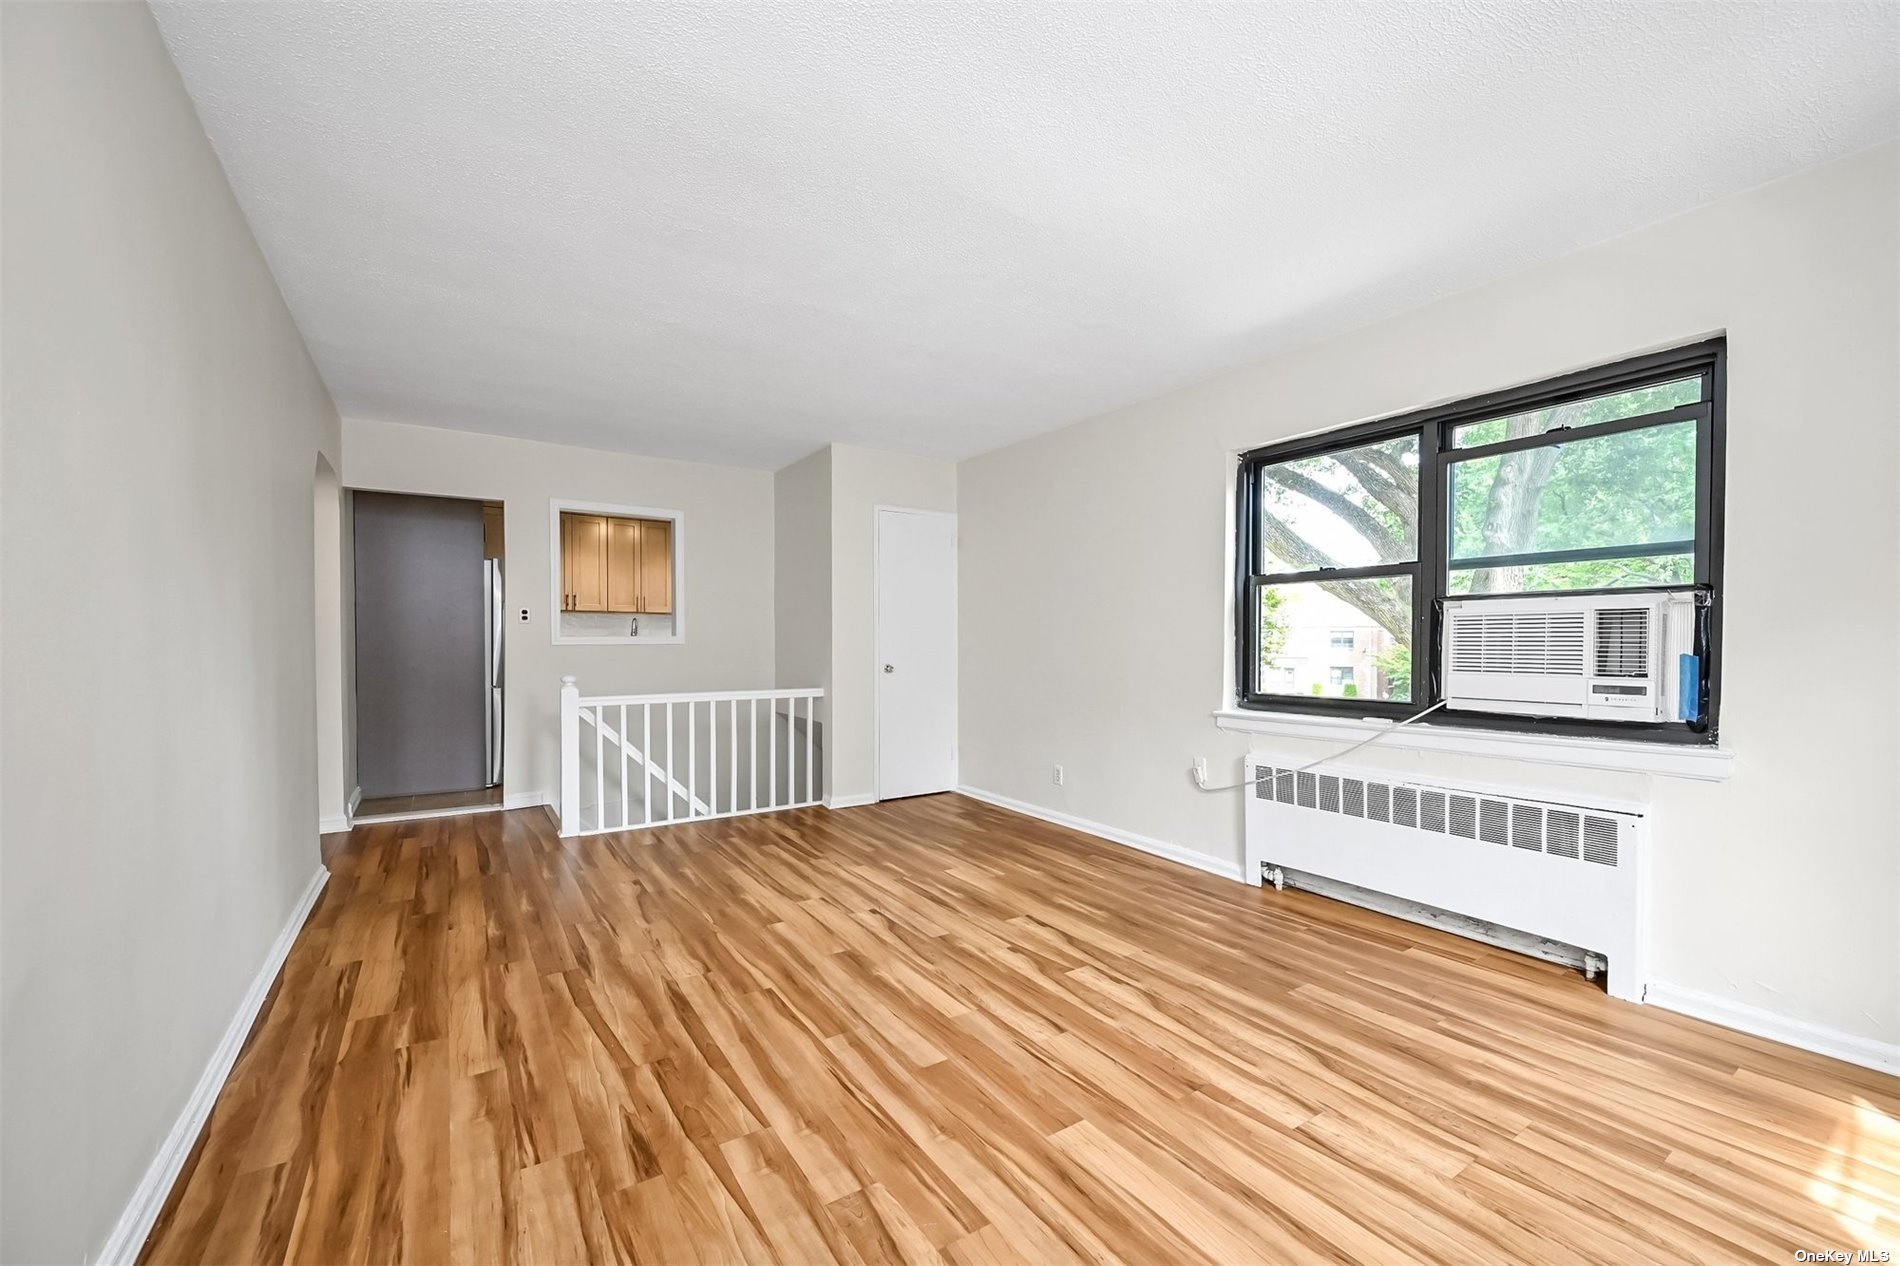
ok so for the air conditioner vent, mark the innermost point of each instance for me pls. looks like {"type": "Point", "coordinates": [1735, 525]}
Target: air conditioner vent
{"type": "Point", "coordinates": [1378, 802]}
{"type": "Point", "coordinates": [1353, 794]}
{"type": "Point", "coordinates": [1431, 811]}
{"type": "Point", "coordinates": [1542, 642]}
{"type": "Point", "coordinates": [1622, 648]}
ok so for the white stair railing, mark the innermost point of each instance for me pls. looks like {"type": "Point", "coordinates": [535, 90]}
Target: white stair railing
{"type": "Point", "coordinates": [634, 761]}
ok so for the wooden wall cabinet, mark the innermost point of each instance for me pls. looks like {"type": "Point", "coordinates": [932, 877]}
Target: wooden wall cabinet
{"type": "Point", "coordinates": [617, 565]}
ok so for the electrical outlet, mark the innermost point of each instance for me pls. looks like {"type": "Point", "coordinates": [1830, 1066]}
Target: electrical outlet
{"type": "Point", "coordinates": [1055, 775]}
{"type": "Point", "coordinates": [524, 615]}
{"type": "Point", "coordinates": [1200, 769]}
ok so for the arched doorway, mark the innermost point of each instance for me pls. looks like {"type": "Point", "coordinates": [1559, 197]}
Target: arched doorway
{"type": "Point", "coordinates": [334, 643]}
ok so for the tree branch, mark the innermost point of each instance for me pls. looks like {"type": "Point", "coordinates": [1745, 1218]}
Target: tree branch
{"type": "Point", "coordinates": [1369, 596]}
{"type": "Point", "coordinates": [1356, 516]}
{"type": "Point", "coordinates": [1388, 489]}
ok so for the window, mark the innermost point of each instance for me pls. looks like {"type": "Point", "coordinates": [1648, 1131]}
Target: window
{"type": "Point", "coordinates": [616, 573]}
{"type": "Point", "coordinates": [1351, 541]}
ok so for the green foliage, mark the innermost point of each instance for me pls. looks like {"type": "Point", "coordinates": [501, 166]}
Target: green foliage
{"type": "Point", "coordinates": [1395, 665]}
{"type": "Point", "coordinates": [1272, 624]}
{"type": "Point", "coordinates": [1590, 491]}
{"type": "Point", "coordinates": [1350, 690]}
{"type": "Point", "coordinates": [1316, 689]}
{"type": "Point", "coordinates": [1629, 488]}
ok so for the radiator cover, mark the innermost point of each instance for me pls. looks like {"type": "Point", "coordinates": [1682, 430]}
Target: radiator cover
{"type": "Point", "coordinates": [1569, 872]}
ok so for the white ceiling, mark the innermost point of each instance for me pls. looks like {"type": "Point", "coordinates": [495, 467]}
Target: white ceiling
{"type": "Point", "coordinates": [735, 232]}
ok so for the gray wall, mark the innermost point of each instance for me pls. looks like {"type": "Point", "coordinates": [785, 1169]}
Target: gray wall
{"type": "Point", "coordinates": [159, 441]}
{"type": "Point", "coordinates": [1775, 890]}
{"type": "Point", "coordinates": [801, 511]}
{"type": "Point", "coordinates": [421, 634]}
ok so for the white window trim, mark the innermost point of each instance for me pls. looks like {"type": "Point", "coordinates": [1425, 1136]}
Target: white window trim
{"type": "Point", "coordinates": [1669, 760]}
{"type": "Point", "coordinates": [675, 517]}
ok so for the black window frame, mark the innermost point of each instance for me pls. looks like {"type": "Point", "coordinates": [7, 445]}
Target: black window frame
{"type": "Point", "coordinates": [1430, 572]}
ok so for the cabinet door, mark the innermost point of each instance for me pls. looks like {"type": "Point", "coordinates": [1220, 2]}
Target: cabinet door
{"type": "Point", "coordinates": [567, 562]}
{"type": "Point", "coordinates": [656, 566]}
{"type": "Point", "coordinates": [623, 565]}
{"type": "Point", "coordinates": [587, 554]}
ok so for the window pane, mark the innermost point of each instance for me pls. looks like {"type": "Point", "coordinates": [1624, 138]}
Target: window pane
{"type": "Point", "coordinates": [1627, 488]}
{"type": "Point", "coordinates": [1357, 507]}
{"type": "Point", "coordinates": [1578, 413]}
{"type": "Point", "coordinates": [1606, 573]}
{"type": "Point", "coordinates": [1341, 639]}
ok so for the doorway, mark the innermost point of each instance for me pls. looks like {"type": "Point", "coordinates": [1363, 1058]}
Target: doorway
{"type": "Point", "coordinates": [332, 642]}
{"type": "Point", "coordinates": [916, 613]}
{"type": "Point", "coordinates": [428, 634]}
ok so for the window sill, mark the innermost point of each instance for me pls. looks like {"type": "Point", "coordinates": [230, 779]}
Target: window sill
{"type": "Point", "coordinates": [671, 639]}
{"type": "Point", "coordinates": [1709, 764]}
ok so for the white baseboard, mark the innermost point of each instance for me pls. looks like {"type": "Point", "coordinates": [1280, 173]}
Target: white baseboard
{"type": "Point", "coordinates": [848, 802]}
{"type": "Point", "coordinates": [520, 800]}
{"type": "Point", "coordinates": [135, 1223]}
{"type": "Point", "coordinates": [330, 826]}
{"type": "Point", "coordinates": [1849, 1047]}
{"type": "Point", "coordinates": [1147, 844]}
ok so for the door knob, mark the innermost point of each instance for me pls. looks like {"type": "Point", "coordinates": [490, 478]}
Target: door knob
{"type": "Point", "coordinates": [890, 668]}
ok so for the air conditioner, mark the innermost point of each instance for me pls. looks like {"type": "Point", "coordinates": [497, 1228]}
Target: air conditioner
{"type": "Point", "coordinates": [1617, 657]}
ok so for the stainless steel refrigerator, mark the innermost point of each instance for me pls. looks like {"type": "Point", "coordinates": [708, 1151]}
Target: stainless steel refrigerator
{"type": "Point", "coordinates": [491, 662]}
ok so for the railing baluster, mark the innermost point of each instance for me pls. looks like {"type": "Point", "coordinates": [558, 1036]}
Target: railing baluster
{"type": "Point", "coordinates": [644, 761]}
{"type": "Point", "coordinates": [570, 757]}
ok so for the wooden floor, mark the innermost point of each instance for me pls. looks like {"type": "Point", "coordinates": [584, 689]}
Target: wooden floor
{"type": "Point", "coordinates": [931, 1030]}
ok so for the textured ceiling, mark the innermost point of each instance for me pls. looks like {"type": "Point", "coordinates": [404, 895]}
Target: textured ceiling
{"type": "Point", "coordinates": [735, 232]}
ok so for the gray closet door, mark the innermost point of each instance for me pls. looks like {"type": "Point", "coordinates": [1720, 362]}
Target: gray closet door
{"type": "Point", "coordinates": [421, 693]}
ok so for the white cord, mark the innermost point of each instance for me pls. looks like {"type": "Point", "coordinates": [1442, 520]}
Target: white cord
{"type": "Point", "coordinates": [1200, 782]}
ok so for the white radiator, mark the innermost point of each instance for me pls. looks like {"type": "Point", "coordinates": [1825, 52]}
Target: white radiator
{"type": "Point", "coordinates": [1567, 872]}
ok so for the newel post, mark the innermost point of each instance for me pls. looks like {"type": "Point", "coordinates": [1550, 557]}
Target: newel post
{"type": "Point", "coordinates": [570, 757]}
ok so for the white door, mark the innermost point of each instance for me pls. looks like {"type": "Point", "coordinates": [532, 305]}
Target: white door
{"type": "Point", "coordinates": [916, 652]}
